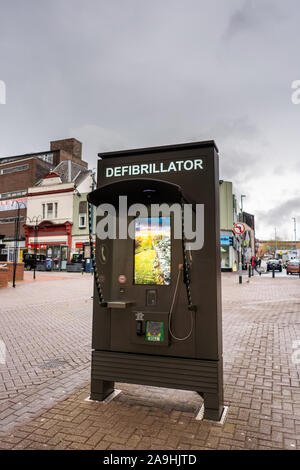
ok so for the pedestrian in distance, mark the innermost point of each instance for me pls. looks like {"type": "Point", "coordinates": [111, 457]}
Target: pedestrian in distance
{"type": "Point", "coordinates": [254, 264]}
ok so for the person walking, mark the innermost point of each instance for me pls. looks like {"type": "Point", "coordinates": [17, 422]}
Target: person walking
{"type": "Point", "coordinates": [254, 264]}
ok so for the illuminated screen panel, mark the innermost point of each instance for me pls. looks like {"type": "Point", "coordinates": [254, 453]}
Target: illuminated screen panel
{"type": "Point", "coordinates": [152, 253]}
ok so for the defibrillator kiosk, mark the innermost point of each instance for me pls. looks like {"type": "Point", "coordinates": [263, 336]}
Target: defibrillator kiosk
{"type": "Point", "coordinates": [157, 290]}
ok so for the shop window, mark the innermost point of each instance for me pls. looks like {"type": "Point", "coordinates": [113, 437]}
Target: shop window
{"type": "Point", "coordinates": [225, 257]}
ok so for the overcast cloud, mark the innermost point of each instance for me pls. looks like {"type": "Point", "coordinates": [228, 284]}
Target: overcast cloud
{"type": "Point", "coordinates": [128, 73]}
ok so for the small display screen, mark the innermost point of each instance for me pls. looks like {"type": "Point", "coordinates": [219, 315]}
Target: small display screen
{"type": "Point", "coordinates": [152, 253]}
{"type": "Point", "coordinates": [155, 331]}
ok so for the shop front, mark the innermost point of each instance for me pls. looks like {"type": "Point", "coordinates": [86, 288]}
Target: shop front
{"type": "Point", "coordinates": [52, 240]}
{"type": "Point", "coordinates": [229, 252]}
{"type": "Point", "coordinates": [12, 250]}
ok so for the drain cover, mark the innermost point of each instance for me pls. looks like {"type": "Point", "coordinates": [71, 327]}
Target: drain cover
{"type": "Point", "coordinates": [53, 364]}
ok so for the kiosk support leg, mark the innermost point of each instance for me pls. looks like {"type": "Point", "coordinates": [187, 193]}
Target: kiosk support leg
{"type": "Point", "coordinates": [100, 389]}
{"type": "Point", "coordinates": [213, 406]}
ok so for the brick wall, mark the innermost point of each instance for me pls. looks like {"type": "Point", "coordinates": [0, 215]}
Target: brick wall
{"type": "Point", "coordinates": [3, 276]}
{"type": "Point", "coordinates": [8, 229]}
{"type": "Point", "coordinates": [10, 270]}
{"type": "Point", "coordinates": [68, 149]}
{"type": "Point", "coordinates": [18, 181]}
{"type": "Point", "coordinates": [71, 146]}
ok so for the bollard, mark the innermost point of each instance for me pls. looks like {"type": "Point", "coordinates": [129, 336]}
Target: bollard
{"type": "Point", "coordinates": [240, 274]}
{"type": "Point", "coordinates": [249, 274]}
{"type": "Point", "coordinates": [273, 272]}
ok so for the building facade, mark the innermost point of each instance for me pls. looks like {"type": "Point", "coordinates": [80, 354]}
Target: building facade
{"type": "Point", "coordinates": [80, 232]}
{"type": "Point", "coordinates": [230, 243]}
{"type": "Point", "coordinates": [17, 174]}
{"type": "Point", "coordinates": [58, 211]}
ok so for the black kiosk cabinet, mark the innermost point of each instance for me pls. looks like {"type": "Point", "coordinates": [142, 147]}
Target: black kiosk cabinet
{"type": "Point", "coordinates": [157, 293]}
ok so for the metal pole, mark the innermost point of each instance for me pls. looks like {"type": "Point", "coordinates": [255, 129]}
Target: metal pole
{"type": "Point", "coordinates": [17, 225]}
{"type": "Point", "coordinates": [295, 229]}
{"type": "Point", "coordinates": [240, 261]}
{"type": "Point", "coordinates": [35, 249]}
{"type": "Point", "coordinates": [15, 249]}
{"type": "Point", "coordinates": [36, 229]}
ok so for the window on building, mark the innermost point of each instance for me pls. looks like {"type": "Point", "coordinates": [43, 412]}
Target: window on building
{"type": "Point", "coordinates": [55, 210]}
{"type": "Point", "coordinates": [13, 169]}
{"type": "Point", "coordinates": [13, 194]}
{"type": "Point", "coordinates": [47, 157]}
{"type": "Point", "coordinates": [43, 211]}
{"type": "Point", "coordinates": [82, 221]}
{"type": "Point", "coordinates": [11, 220]}
{"type": "Point", "coordinates": [82, 214]}
{"type": "Point", "coordinates": [50, 210]}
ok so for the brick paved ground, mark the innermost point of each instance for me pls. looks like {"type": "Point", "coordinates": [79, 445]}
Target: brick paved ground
{"type": "Point", "coordinates": [47, 327]}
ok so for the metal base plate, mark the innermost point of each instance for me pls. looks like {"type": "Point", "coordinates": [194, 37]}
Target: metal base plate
{"type": "Point", "coordinates": [108, 399]}
{"type": "Point", "coordinates": [200, 416]}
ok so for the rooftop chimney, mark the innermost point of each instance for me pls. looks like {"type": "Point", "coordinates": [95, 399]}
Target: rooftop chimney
{"type": "Point", "coordinates": [72, 146]}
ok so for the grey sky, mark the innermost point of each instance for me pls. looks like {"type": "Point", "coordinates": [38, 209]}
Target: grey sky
{"type": "Point", "coordinates": [129, 73]}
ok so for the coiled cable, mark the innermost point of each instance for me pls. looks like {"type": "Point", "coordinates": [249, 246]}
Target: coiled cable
{"type": "Point", "coordinates": [172, 309]}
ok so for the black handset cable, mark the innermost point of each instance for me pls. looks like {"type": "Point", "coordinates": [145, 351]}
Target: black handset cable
{"type": "Point", "coordinates": [94, 261]}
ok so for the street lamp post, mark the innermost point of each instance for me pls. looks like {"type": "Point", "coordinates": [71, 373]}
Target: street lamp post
{"type": "Point", "coordinates": [35, 222]}
{"type": "Point", "coordinates": [17, 236]}
{"type": "Point", "coordinates": [295, 229]}
{"type": "Point", "coordinates": [241, 243]}
{"type": "Point", "coordinates": [16, 248]}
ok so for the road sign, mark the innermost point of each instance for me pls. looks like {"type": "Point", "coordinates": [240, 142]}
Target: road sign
{"type": "Point", "coordinates": [239, 228]}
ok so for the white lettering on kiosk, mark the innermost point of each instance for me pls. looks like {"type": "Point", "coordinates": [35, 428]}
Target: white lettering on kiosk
{"type": "Point", "coordinates": [153, 168]}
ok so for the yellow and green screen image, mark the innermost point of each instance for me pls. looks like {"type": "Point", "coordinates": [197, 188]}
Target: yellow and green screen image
{"type": "Point", "coordinates": [152, 254]}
